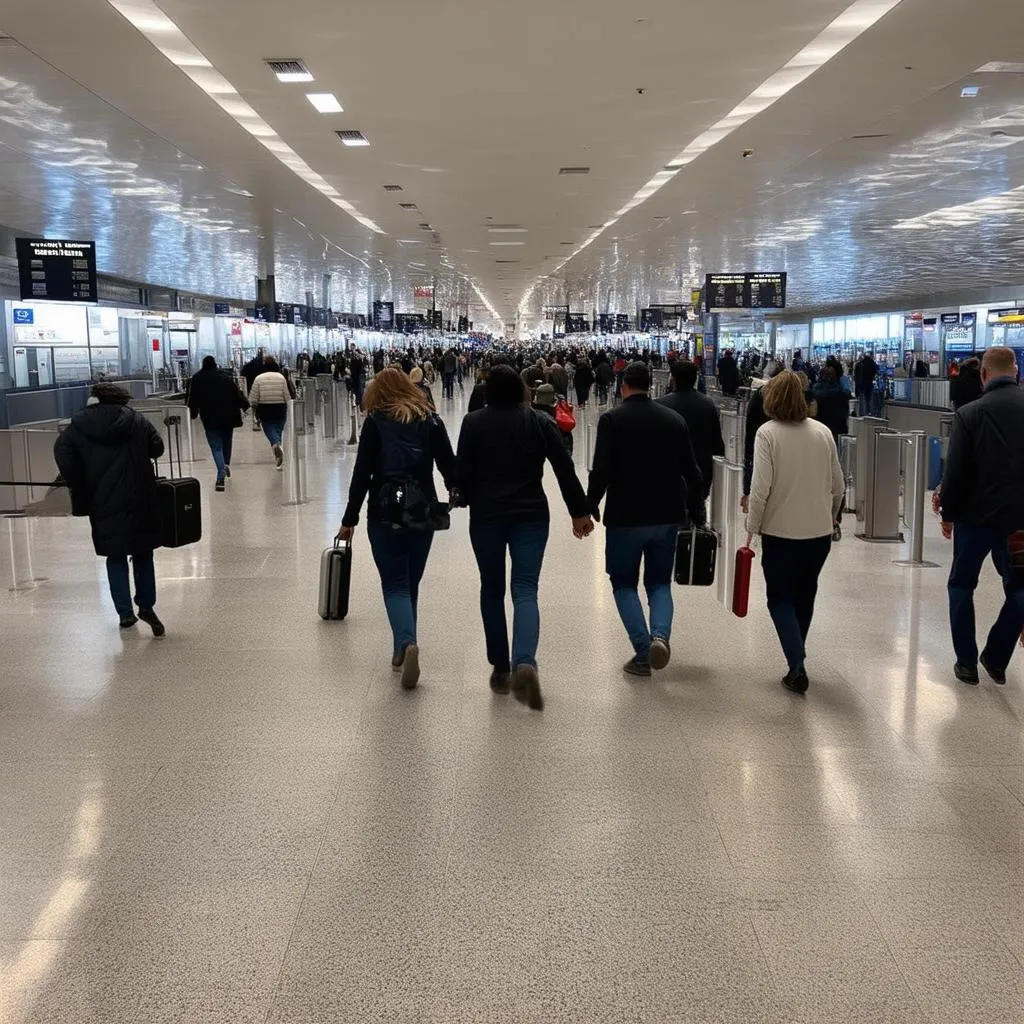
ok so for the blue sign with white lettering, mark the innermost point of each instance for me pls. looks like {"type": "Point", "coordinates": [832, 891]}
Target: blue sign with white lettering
{"type": "Point", "coordinates": [24, 316]}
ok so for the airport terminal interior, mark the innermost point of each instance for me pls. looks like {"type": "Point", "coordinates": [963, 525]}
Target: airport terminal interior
{"type": "Point", "coordinates": [249, 819]}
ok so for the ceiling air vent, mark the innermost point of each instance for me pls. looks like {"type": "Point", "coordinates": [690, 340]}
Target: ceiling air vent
{"type": "Point", "coordinates": [508, 261]}
{"type": "Point", "coordinates": [290, 69]}
{"type": "Point", "coordinates": [353, 138]}
{"type": "Point", "coordinates": [393, 188]}
{"type": "Point", "coordinates": [856, 138]}
{"type": "Point", "coordinates": [407, 206]}
{"type": "Point", "coordinates": [566, 243]}
{"type": "Point", "coordinates": [573, 170]}
{"type": "Point", "coordinates": [426, 227]}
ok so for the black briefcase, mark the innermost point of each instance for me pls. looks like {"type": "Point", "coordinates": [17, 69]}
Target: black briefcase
{"type": "Point", "coordinates": [179, 498]}
{"type": "Point", "coordinates": [696, 554]}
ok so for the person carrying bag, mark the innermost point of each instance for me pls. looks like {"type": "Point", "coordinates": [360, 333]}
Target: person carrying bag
{"type": "Point", "coordinates": [401, 442]}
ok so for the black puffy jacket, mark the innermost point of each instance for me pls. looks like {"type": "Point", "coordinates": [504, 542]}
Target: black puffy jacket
{"type": "Point", "coordinates": [214, 396]}
{"type": "Point", "coordinates": [104, 455]}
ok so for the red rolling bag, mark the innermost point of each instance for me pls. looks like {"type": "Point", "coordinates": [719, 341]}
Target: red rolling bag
{"type": "Point", "coordinates": [741, 581]}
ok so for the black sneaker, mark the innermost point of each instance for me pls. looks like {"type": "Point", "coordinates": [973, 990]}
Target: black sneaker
{"type": "Point", "coordinates": [219, 485]}
{"type": "Point", "coordinates": [501, 681]}
{"type": "Point", "coordinates": [966, 674]}
{"type": "Point", "coordinates": [661, 652]}
{"type": "Point", "coordinates": [636, 667]}
{"type": "Point", "coordinates": [227, 471]}
{"type": "Point", "coordinates": [150, 618]}
{"type": "Point", "coordinates": [526, 687]}
{"type": "Point", "coordinates": [796, 682]}
{"type": "Point", "coordinates": [127, 621]}
{"type": "Point", "coordinates": [997, 675]}
{"type": "Point", "coordinates": [411, 667]}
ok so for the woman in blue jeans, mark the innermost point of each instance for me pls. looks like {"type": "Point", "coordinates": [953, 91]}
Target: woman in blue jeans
{"type": "Point", "coordinates": [502, 451]}
{"type": "Point", "coordinates": [401, 442]}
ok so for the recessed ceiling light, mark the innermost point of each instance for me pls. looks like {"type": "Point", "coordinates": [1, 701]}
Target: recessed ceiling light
{"type": "Point", "coordinates": [995, 67]}
{"type": "Point", "coordinates": [324, 102]}
{"type": "Point", "coordinates": [244, 192]}
{"type": "Point", "coordinates": [507, 231]}
{"type": "Point", "coordinates": [968, 92]}
{"type": "Point", "coordinates": [353, 138]}
{"type": "Point", "coordinates": [289, 70]}
{"type": "Point", "coordinates": [506, 243]}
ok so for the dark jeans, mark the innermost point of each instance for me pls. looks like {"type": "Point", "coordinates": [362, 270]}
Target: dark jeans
{"type": "Point", "coordinates": [120, 585]}
{"type": "Point", "coordinates": [220, 442]}
{"type": "Point", "coordinates": [272, 428]}
{"type": "Point", "coordinates": [525, 542]}
{"type": "Point", "coordinates": [625, 546]}
{"type": "Point", "coordinates": [401, 557]}
{"type": "Point", "coordinates": [791, 570]}
{"type": "Point", "coordinates": [449, 385]}
{"type": "Point", "coordinates": [971, 546]}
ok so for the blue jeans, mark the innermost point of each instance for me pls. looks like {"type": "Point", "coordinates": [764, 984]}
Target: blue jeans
{"type": "Point", "coordinates": [220, 442]}
{"type": "Point", "coordinates": [120, 585]}
{"type": "Point", "coordinates": [401, 557]}
{"type": "Point", "coordinates": [791, 570]}
{"type": "Point", "coordinates": [273, 429]}
{"type": "Point", "coordinates": [864, 404]}
{"type": "Point", "coordinates": [449, 385]}
{"type": "Point", "coordinates": [525, 542]}
{"type": "Point", "coordinates": [971, 546]}
{"type": "Point", "coordinates": [624, 548]}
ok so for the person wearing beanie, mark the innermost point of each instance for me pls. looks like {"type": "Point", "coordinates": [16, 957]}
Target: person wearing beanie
{"type": "Point", "coordinates": [545, 400]}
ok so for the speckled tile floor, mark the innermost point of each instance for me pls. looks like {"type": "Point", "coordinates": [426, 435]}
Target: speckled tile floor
{"type": "Point", "coordinates": [248, 821]}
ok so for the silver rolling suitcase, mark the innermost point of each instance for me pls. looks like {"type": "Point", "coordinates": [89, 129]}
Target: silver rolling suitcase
{"type": "Point", "coordinates": [335, 580]}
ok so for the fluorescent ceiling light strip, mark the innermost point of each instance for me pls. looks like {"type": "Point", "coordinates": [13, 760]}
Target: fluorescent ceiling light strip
{"type": "Point", "coordinates": [1011, 201]}
{"type": "Point", "coordinates": [324, 102]}
{"type": "Point", "coordinates": [180, 51]}
{"type": "Point", "coordinates": [836, 36]}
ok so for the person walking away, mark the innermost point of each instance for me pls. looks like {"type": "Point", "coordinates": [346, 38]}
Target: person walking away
{"type": "Point", "coordinates": [982, 505]}
{"type": "Point", "coordinates": [478, 396]}
{"type": "Point", "coordinates": [605, 376]}
{"type": "Point", "coordinates": [214, 397]}
{"type": "Point", "coordinates": [795, 498]}
{"type": "Point", "coordinates": [401, 442]}
{"type": "Point", "coordinates": [416, 376]}
{"type": "Point", "coordinates": [534, 375]}
{"type": "Point", "coordinates": [105, 457]}
{"type": "Point", "coordinates": [559, 380]}
{"type": "Point", "coordinates": [545, 401]}
{"type": "Point", "coordinates": [269, 399]}
{"type": "Point", "coordinates": [583, 382]}
{"type": "Point", "coordinates": [499, 474]}
{"type": "Point", "coordinates": [448, 367]}
{"type": "Point", "coordinates": [864, 374]}
{"type": "Point", "coordinates": [702, 419]}
{"type": "Point", "coordinates": [728, 373]}
{"type": "Point", "coordinates": [250, 371]}
{"type": "Point", "coordinates": [644, 463]}
{"type": "Point", "coordinates": [921, 369]}
{"type": "Point", "coordinates": [357, 375]}
{"type": "Point", "coordinates": [966, 385]}
{"type": "Point", "coordinates": [832, 404]}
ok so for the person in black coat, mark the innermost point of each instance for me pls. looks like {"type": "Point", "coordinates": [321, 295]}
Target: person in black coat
{"type": "Point", "coordinates": [701, 415]}
{"type": "Point", "coordinates": [214, 397]}
{"type": "Point", "coordinates": [105, 458]}
{"type": "Point", "coordinates": [832, 404]}
{"type": "Point", "coordinates": [966, 385]}
{"type": "Point", "coordinates": [583, 382]}
{"type": "Point", "coordinates": [644, 462]}
{"type": "Point", "coordinates": [728, 373]}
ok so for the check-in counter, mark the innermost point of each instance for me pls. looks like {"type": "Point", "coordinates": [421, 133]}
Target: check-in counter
{"type": "Point", "coordinates": [19, 408]}
{"type": "Point", "coordinates": [26, 462]}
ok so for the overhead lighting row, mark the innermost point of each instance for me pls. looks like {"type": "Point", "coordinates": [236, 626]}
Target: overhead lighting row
{"type": "Point", "coordinates": [165, 35]}
{"type": "Point", "coordinates": [833, 39]}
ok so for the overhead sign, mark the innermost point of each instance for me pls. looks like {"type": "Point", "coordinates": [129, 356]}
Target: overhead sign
{"type": "Point", "coordinates": [463, 325]}
{"type": "Point", "coordinates": [950, 319]}
{"type": "Point", "coordinates": [651, 320]}
{"type": "Point", "coordinates": [1006, 316]}
{"type": "Point", "coordinates": [383, 315]}
{"type": "Point", "coordinates": [752, 290]}
{"type": "Point", "coordinates": [24, 315]}
{"type": "Point", "coordinates": [64, 271]}
{"type": "Point", "coordinates": [423, 291]}
{"type": "Point", "coordinates": [222, 309]}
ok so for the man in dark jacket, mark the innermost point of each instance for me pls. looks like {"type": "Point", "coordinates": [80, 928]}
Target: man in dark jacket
{"type": "Point", "coordinates": [701, 415]}
{"type": "Point", "coordinates": [728, 373]}
{"type": "Point", "coordinates": [864, 374]}
{"type": "Point", "coordinates": [213, 396]}
{"type": "Point", "coordinates": [605, 376]}
{"type": "Point", "coordinates": [982, 505]}
{"type": "Point", "coordinates": [643, 461]}
{"type": "Point", "coordinates": [104, 456]}
{"type": "Point", "coordinates": [832, 403]}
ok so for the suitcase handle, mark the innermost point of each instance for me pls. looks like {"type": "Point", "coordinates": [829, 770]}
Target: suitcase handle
{"type": "Point", "coordinates": [338, 543]}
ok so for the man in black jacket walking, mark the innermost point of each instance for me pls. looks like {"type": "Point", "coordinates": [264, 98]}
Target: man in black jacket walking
{"type": "Point", "coordinates": [728, 373]}
{"type": "Point", "coordinates": [104, 456]}
{"type": "Point", "coordinates": [982, 505]}
{"type": "Point", "coordinates": [213, 396]}
{"type": "Point", "coordinates": [701, 415]}
{"type": "Point", "coordinates": [644, 462]}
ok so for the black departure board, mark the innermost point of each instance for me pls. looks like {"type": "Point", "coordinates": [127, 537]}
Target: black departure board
{"type": "Point", "coordinates": [651, 320]}
{"type": "Point", "coordinates": [745, 291]}
{"type": "Point", "coordinates": [64, 271]}
{"type": "Point", "coordinates": [383, 315]}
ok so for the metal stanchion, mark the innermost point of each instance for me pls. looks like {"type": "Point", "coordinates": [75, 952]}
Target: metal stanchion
{"type": "Point", "coordinates": [726, 488]}
{"type": "Point", "coordinates": [330, 413]}
{"type": "Point", "coordinates": [22, 575]}
{"type": "Point", "coordinates": [294, 445]}
{"type": "Point", "coordinates": [915, 489]}
{"type": "Point", "coordinates": [354, 415]}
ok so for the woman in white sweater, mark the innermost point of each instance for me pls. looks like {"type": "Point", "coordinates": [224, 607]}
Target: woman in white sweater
{"type": "Point", "coordinates": [269, 398]}
{"type": "Point", "coordinates": [796, 495]}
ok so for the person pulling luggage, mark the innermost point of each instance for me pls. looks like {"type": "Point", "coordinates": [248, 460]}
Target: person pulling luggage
{"type": "Point", "coordinates": [105, 457]}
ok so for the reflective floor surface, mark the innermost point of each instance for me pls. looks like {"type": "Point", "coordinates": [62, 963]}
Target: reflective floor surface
{"type": "Point", "coordinates": [248, 821]}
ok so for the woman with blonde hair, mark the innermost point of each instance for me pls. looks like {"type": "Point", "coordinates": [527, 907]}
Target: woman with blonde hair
{"type": "Point", "coordinates": [400, 443]}
{"type": "Point", "coordinates": [796, 495]}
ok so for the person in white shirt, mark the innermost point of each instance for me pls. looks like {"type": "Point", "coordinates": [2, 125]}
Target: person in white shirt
{"type": "Point", "coordinates": [269, 399]}
{"type": "Point", "coordinates": [796, 495]}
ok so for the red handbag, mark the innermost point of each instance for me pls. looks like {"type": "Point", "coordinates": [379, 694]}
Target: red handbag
{"type": "Point", "coordinates": [741, 581]}
{"type": "Point", "coordinates": [564, 416]}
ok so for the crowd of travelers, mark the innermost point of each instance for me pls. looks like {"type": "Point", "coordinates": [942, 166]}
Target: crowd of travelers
{"type": "Point", "coordinates": [649, 478]}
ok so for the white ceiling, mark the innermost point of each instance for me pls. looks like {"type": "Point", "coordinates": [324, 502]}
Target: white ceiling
{"type": "Point", "coordinates": [473, 107]}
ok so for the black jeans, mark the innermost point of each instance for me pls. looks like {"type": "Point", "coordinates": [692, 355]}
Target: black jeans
{"type": "Point", "coordinates": [791, 570]}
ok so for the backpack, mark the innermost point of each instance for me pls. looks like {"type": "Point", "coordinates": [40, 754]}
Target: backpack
{"type": "Point", "coordinates": [403, 501]}
{"type": "Point", "coordinates": [564, 416]}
